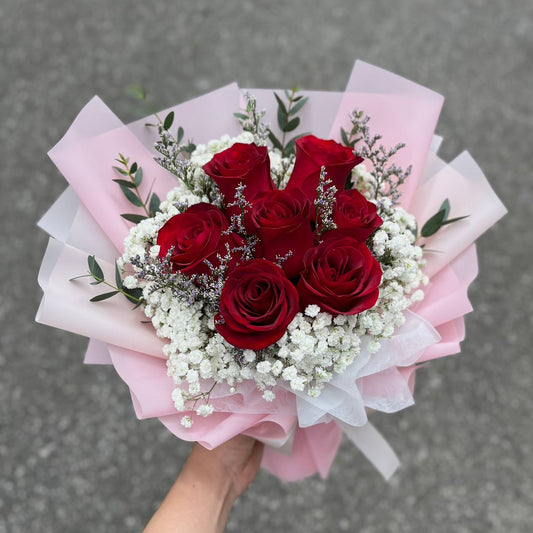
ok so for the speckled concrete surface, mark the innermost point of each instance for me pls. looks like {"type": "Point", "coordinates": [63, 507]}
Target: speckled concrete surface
{"type": "Point", "coordinates": [72, 455]}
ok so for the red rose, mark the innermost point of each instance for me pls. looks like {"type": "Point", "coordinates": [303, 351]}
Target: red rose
{"type": "Point", "coordinates": [196, 235]}
{"type": "Point", "coordinates": [256, 305]}
{"type": "Point", "coordinates": [241, 163]}
{"type": "Point", "coordinates": [340, 276]}
{"type": "Point", "coordinates": [354, 216]}
{"type": "Point", "coordinates": [281, 219]}
{"type": "Point", "coordinates": [311, 155]}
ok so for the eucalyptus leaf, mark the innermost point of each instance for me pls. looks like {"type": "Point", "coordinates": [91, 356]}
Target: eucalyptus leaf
{"type": "Point", "coordinates": [291, 125]}
{"type": "Point", "coordinates": [344, 137]}
{"type": "Point", "coordinates": [456, 219]}
{"type": "Point", "coordinates": [120, 170]}
{"type": "Point", "coordinates": [133, 168]}
{"type": "Point", "coordinates": [94, 268]}
{"type": "Point", "coordinates": [282, 112]}
{"type": "Point", "coordinates": [190, 148]}
{"type": "Point", "coordinates": [275, 141]}
{"type": "Point", "coordinates": [130, 217]}
{"type": "Point", "coordinates": [446, 207]}
{"type": "Point", "coordinates": [240, 116]}
{"type": "Point", "coordinates": [169, 119]}
{"type": "Point", "coordinates": [131, 197]}
{"type": "Point", "coordinates": [118, 278]}
{"type": "Point", "coordinates": [180, 135]}
{"type": "Point", "coordinates": [290, 146]}
{"type": "Point", "coordinates": [433, 224]}
{"type": "Point", "coordinates": [138, 177]}
{"type": "Point", "coordinates": [125, 183]}
{"type": "Point", "coordinates": [133, 295]}
{"type": "Point", "coordinates": [154, 204]}
{"type": "Point", "coordinates": [298, 106]}
{"type": "Point", "coordinates": [103, 296]}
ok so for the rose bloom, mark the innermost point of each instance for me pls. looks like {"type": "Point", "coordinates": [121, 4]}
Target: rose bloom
{"type": "Point", "coordinates": [281, 220]}
{"type": "Point", "coordinates": [311, 155]}
{"type": "Point", "coordinates": [241, 163]}
{"type": "Point", "coordinates": [257, 304]}
{"type": "Point", "coordinates": [354, 215]}
{"type": "Point", "coordinates": [340, 276]}
{"type": "Point", "coordinates": [196, 235]}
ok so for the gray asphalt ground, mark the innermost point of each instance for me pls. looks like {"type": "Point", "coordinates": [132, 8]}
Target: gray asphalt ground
{"type": "Point", "coordinates": [73, 457]}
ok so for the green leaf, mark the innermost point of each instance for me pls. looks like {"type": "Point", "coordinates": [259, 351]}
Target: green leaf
{"type": "Point", "coordinates": [97, 282]}
{"type": "Point", "coordinates": [282, 112]}
{"type": "Point", "coordinates": [131, 197]}
{"type": "Point", "coordinates": [275, 141]}
{"type": "Point", "coordinates": [130, 217]}
{"type": "Point", "coordinates": [456, 219]}
{"type": "Point", "coordinates": [289, 147]}
{"type": "Point", "coordinates": [344, 137]}
{"type": "Point", "coordinates": [118, 278]}
{"type": "Point", "coordinates": [287, 94]}
{"type": "Point", "coordinates": [446, 207]}
{"type": "Point", "coordinates": [291, 125]}
{"type": "Point", "coordinates": [103, 296]}
{"type": "Point", "coordinates": [169, 119]}
{"type": "Point", "coordinates": [120, 171]}
{"type": "Point", "coordinates": [78, 277]}
{"type": "Point", "coordinates": [133, 295]}
{"type": "Point", "coordinates": [154, 204]}
{"type": "Point", "coordinates": [240, 116]}
{"type": "Point", "coordinates": [433, 224]}
{"type": "Point", "coordinates": [190, 148]}
{"type": "Point", "coordinates": [180, 135]}
{"type": "Point", "coordinates": [133, 168]}
{"type": "Point", "coordinates": [138, 176]}
{"type": "Point", "coordinates": [135, 90]}
{"type": "Point", "coordinates": [124, 183]}
{"type": "Point", "coordinates": [298, 105]}
{"type": "Point", "coordinates": [94, 268]}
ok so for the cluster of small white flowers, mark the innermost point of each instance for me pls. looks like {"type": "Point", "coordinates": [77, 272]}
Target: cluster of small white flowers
{"type": "Point", "coordinates": [315, 346]}
{"type": "Point", "coordinates": [205, 152]}
{"type": "Point", "coordinates": [401, 260]}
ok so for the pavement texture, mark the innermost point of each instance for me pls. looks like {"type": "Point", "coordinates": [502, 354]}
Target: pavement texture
{"type": "Point", "coordinates": [73, 457]}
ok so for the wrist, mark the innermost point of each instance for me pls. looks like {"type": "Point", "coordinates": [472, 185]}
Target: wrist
{"type": "Point", "coordinates": [208, 479]}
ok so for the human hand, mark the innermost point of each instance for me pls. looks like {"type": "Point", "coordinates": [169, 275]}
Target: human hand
{"type": "Point", "coordinates": [211, 480]}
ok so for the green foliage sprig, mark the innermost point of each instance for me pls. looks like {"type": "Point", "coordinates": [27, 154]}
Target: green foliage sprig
{"type": "Point", "coordinates": [439, 220]}
{"type": "Point", "coordinates": [96, 272]}
{"type": "Point", "coordinates": [130, 189]}
{"type": "Point", "coordinates": [288, 121]}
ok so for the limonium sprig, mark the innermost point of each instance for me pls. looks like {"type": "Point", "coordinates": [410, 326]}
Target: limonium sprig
{"type": "Point", "coordinates": [387, 176]}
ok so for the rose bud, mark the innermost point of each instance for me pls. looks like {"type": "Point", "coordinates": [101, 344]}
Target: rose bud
{"type": "Point", "coordinates": [241, 163]}
{"type": "Point", "coordinates": [257, 304]}
{"type": "Point", "coordinates": [340, 276]}
{"type": "Point", "coordinates": [196, 235]}
{"type": "Point", "coordinates": [354, 216]}
{"type": "Point", "coordinates": [281, 220]}
{"type": "Point", "coordinates": [311, 155]}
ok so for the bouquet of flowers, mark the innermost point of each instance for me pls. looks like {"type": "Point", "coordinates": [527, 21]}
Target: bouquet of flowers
{"type": "Point", "coordinates": [277, 263]}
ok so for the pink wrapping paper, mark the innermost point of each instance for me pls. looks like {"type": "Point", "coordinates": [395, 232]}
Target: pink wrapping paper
{"type": "Point", "coordinates": [400, 110]}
